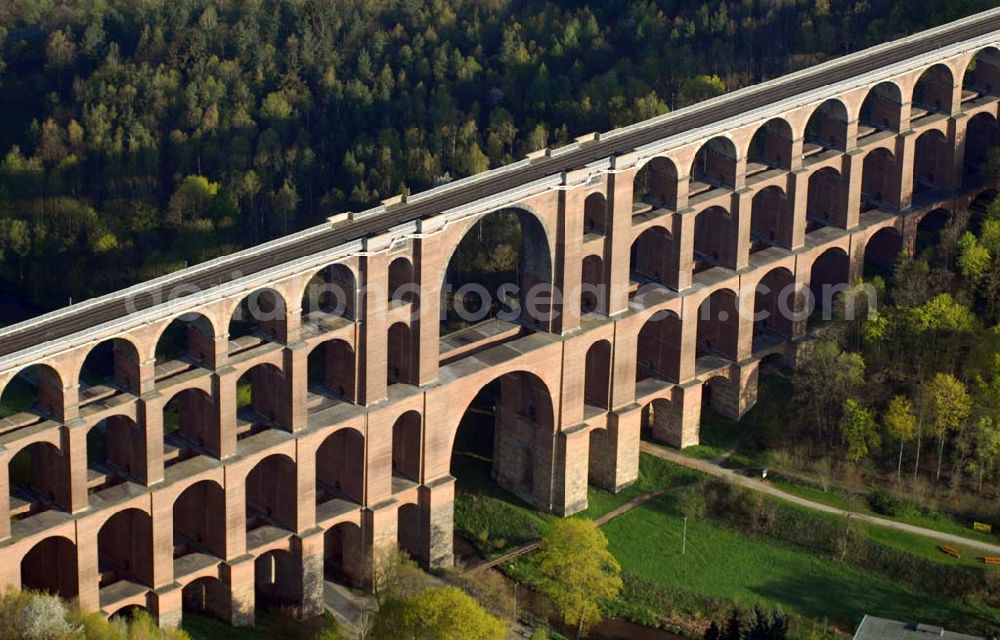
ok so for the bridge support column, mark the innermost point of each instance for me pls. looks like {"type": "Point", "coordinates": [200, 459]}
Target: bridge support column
{"type": "Point", "coordinates": [150, 419]}
{"type": "Point", "coordinates": [4, 494]}
{"type": "Point", "coordinates": [732, 398]}
{"type": "Point", "coordinates": [429, 254]}
{"type": "Point", "coordinates": [614, 452]}
{"type": "Point", "coordinates": [678, 423]}
{"type": "Point", "coordinates": [618, 244]}
{"type": "Point", "coordinates": [437, 517]}
{"type": "Point", "coordinates": [236, 519]}
{"type": "Point", "coordinates": [88, 574]}
{"type": "Point", "coordinates": [374, 330]}
{"type": "Point", "coordinates": [798, 195]}
{"type": "Point", "coordinates": [166, 605]}
{"type": "Point", "coordinates": [379, 535]}
{"type": "Point", "coordinates": [570, 470]}
{"type": "Point", "coordinates": [296, 370]}
{"type": "Point", "coordinates": [853, 175]}
{"type": "Point", "coordinates": [568, 260]}
{"type": "Point", "coordinates": [239, 574]}
{"type": "Point", "coordinates": [224, 382]}
{"type": "Point", "coordinates": [684, 223]}
{"type": "Point", "coordinates": [958, 131]}
{"type": "Point", "coordinates": [906, 151]}
{"type": "Point", "coordinates": [687, 368]}
{"type": "Point", "coordinates": [309, 549]}
{"type": "Point", "coordinates": [742, 212]}
{"type": "Point", "coordinates": [75, 454]}
{"type": "Point", "coordinates": [162, 511]}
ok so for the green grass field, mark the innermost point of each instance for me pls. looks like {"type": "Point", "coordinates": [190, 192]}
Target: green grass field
{"type": "Point", "coordinates": [722, 563]}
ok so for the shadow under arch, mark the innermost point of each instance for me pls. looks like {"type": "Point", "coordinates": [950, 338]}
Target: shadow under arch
{"type": "Point", "coordinates": [497, 272]}
{"type": "Point", "coordinates": [507, 433]}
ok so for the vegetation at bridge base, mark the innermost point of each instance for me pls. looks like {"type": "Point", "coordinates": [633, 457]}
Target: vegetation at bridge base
{"type": "Point", "coordinates": [37, 616]}
{"type": "Point", "coordinates": [922, 380]}
{"type": "Point", "coordinates": [140, 137]}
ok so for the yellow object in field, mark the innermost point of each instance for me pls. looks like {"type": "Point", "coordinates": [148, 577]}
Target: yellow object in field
{"type": "Point", "coordinates": [985, 528]}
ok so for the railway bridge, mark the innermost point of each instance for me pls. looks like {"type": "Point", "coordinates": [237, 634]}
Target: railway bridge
{"type": "Point", "coordinates": [223, 437]}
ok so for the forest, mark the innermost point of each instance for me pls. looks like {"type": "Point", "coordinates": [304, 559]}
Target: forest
{"type": "Point", "coordinates": [140, 137]}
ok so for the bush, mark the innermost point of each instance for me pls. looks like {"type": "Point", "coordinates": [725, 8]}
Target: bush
{"type": "Point", "coordinates": [884, 503]}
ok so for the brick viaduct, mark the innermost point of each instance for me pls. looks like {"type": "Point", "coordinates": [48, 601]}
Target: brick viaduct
{"type": "Point", "coordinates": [181, 458]}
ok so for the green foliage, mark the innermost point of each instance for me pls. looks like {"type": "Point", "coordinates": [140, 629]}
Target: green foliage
{"type": "Point", "coordinates": [36, 616]}
{"type": "Point", "coordinates": [699, 88]}
{"type": "Point", "coordinates": [444, 613]}
{"type": "Point", "coordinates": [859, 430]}
{"type": "Point", "coordinates": [577, 571]}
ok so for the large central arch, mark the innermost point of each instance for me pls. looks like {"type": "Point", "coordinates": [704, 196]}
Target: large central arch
{"type": "Point", "coordinates": [505, 257]}
{"type": "Point", "coordinates": [511, 424]}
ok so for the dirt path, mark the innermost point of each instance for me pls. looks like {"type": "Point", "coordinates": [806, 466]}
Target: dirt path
{"type": "Point", "coordinates": [714, 469]}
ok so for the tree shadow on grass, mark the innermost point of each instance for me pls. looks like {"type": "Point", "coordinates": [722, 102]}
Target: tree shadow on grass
{"type": "Point", "coordinates": [817, 596]}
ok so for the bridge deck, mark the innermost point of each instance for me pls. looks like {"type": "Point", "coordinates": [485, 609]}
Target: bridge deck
{"type": "Point", "coordinates": [68, 321]}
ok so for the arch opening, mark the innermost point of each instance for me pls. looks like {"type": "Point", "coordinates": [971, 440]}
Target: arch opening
{"type": "Point", "coordinates": [771, 220]}
{"type": "Point", "coordinates": [659, 422]}
{"type": "Point", "coordinates": [262, 401]}
{"type": "Point", "coordinates": [827, 128]}
{"type": "Point", "coordinates": [653, 258]}
{"type": "Point", "coordinates": [828, 278]}
{"type": "Point", "coordinates": [933, 165]}
{"type": "Point", "coordinates": [655, 186]}
{"type": "Point", "coordinates": [406, 448]}
{"type": "Point", "coordinates": [659, 348]}
{"type": "Point", "coordinates": [507, 434]}
{"type": "Point", "coordinates": [982, 76]}
{"type": "Point", "coordinates": [402, 367]}
{"type": "Point", "coordinates": [718, 326]}
{"type": "Point", "coordinates": [770, 147]}
{"type": "Point", "coordinates": [409, 535]}
{"type": "Point", "coordinates": [342, 553]}
{"type": "Point", "coordinates": [331, 375]}
{"type": "Point", "coordinates": [116, 452]}
{"type": "Point", "coordinates": [827, 202]}
{"type": "Point", "coordinates": [880, 182]}
{"type": "Point", "coordinates": [882, 251]}
{"type": "Point", "coordinates": [340, 471]}
{"type": "Point", "coordinates": [208, 596]}
{"type": "Point", "coordinates": [929, 232]}
{"type": "Point", "coordinates": [187, 342]}
{"type": "Point", "coordinates": [593, 286]}
{"type": "Point", "coordinates": [34, 394]}
{"type": "Point", "coordinates": [259, 318]}
{"type": "Point", "coordinates": [595, 215]}
{"type": "Point", "coordinates": [881, 111]}
{"type": "Point", "coordinates": [200, 521]}
{"type": "Point", "coordinates": [714, 166]}
{"type": "Point", "coordinates": [110, 368]}
{"type": "Point", "coordinates": [496, 279]}
{"type": "Point", "coordinates": [775, 304]}
{"type": "Point", "coordinates": [981, 162]}
{"type": "Point", "coordinates": [330, 298]}
{"type": "Point", "coordinates": [933, 93]}
{"type": "Point", "coordinates": [597, 375]}
{"type": "Point", "coordinates": [125, 549]}
{"type": "Point", "coordinates": [190, 427]}
{"type": "Point", "coordinates": [39, 481]}
{"type": "Point", "coordinates": [51, 566]}
{"type": "Point", "coordinates": [271, 494]}
{"type": "Point", "coordinates": [402, 283]}
{"type": "Point", "coordinates": [714, 239]}
{"type": "Point", "coordinates": [278, 581]}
